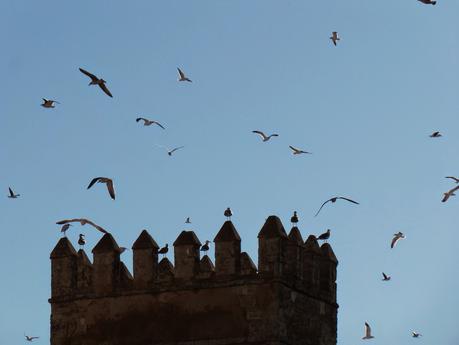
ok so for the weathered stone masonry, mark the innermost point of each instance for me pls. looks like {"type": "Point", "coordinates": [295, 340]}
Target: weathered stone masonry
{"type": "Point", "coordinates": [290, 299]}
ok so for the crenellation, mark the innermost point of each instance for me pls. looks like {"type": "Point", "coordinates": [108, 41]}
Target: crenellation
{"type": "Point", "coordinates": [238, 303]}
{"type": "Point", "coordinates": [145, 260]}
{"type": "Point", "coordinates": [227, 250]}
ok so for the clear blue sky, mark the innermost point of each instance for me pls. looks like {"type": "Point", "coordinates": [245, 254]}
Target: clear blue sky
{"type": "Point", "coordinates": [365, 109]}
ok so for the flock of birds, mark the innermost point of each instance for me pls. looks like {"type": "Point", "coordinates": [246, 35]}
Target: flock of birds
{"type": "Point", "coordinates": [182, 77]}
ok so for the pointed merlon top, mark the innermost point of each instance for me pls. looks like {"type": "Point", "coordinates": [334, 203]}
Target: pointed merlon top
{"type": "Point", "coordinates": [106, 244]}
{"type": "Point", "coordinates": [187, 238]}
{"type": "Point", "coordinates": [295, 235]}
{"type": "Point", "coordinates": [83, 258]}
{"type": "Point", "coordinates": [63, 249]}
{"type": "Point", "coordinates": [272, 228]}
{"type": "Point", "coordinates": [206, 264]}
{"type": "Point", "coordinates": [311, 245]}
{"type": "Point", "coordinates": [327, 251]}
{"type": "Point", "coordinates": [227, 233]}
{"type": "Point", "coordinates": [145, 241]}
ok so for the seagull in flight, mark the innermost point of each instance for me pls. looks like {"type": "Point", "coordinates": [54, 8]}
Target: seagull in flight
{"type": "Point", "coordinates": [187, 221]}
{"type": "Point", "coordinates": [298, 151]}
{"type": "Point", "coordinates": [182, 76]}
{"type": "Point", "coordinates": [428, 2]}
{"type": "Point", "coordinates": [415, 334]}
{"type": "Point", "coordinates": [108, 182]}
{"type": "Point", "coordinates": [453, 178]}
{"type": "Point", "coordinates": [264, 136]}
{"type": "Point", "coordinates": [435, 135]}
{"type": "Point", "coordinates": [170, 152]}
{"type": "Point", "coordinates": [334, 37]}
{"type": "Point", "coordinates": [333, 200]}
{"type": "Point", "coordinates": [29, 338]}
{"type": "Point", "coordinates": [147, 122]}
{"type": "Point", "coordinates": [48, 103]}
{"type": "Point", "coordinates": [12, 194]}
{"type": "Point", "coordinates": [386, 278]}
{"type": "Point", "coordinates": [399, 235]}
{"type": "Point", "coordinates": [82, 221]}
{"type": "Point", "coordinates": [367, 332]}
{"type": "Point", "coordinates": [449, 193]}
{"type": "Point", "coordinates": [96, 81]}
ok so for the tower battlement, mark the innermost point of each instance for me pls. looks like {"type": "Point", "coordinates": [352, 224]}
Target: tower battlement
{"type": "Point", "coordinates": [290, 298]}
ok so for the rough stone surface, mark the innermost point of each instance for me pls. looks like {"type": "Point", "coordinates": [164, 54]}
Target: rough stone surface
{"type": "Point", "coordinates": [292, 301]}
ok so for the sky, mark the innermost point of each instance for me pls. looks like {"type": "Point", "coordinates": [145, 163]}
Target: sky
{"type": "Point", "coordinates": [365, 109]}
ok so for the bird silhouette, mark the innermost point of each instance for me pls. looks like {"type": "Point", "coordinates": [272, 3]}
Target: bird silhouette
{"type": "Point", "coordinates": [65, 227]}
{"type": "Point", "coordinates": [398, 236]}
{"type": "Point", "coordinates": [182, 76]}
{"type": "Point", "coordinates": [294, 218]}
{"type": "Point", "coordinates": [298, 151]}
{"type": "Point", "coordinates": [334, 37]}
{"type": "Point", "coordinates": [48, 103]}
{"type": "Point", "coordinates": [163, 251]}
{"type": "Point", "coordinates": [265, 137]}
{"type": "Point", "coordinates": [108, 182]}
{"type": "Point", "coordinates": [453, 178]}
{"type": "Point", "coordinates": [435, 135]}
{"type": "Point", "coordinates": [12, 194]}
{"type": "Point", "coordinates": [82, 221]}
{"type": "Point", "coordinates": [428, 2]}
{"type": "Point", "coordinates": [205, 246]}
{"type": "Point", "coordinates": [385, 277]}
{"type": "Point", "coordinates": [367, 332]}
{"type": "Point", "coordinates": [188, 221]}
{"type": "Point", "coordinates": [449, 194]}
{"type": "Point", "coordinates": [415, 334]}
{"type": "Point", "coordinates": [96, 81]}
{"type": "Point", "coordinates": [147, 122]}
{"type": "Point", "coordinates": [81, 240]}
{"type": "Point", "coordinates": [333, 200]}
{"type": "Point", "coordinates": [30, 338]}
{"type": "Point", "coordinates": [228, 213]}
{"type": "Point", "coordinates": [325, 236]}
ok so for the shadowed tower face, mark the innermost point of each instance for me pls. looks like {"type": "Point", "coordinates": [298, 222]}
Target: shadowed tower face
{"type": "Point", "coordinates": [290, 299]}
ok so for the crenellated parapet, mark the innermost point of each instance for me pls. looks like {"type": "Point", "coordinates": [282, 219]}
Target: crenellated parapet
{"type": "Point", "coordinates": [289, 298]}
{"type": "Point", "coordinates": [304, 265]}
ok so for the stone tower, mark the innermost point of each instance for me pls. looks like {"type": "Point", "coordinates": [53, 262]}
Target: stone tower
{"type": "Point", "coordinates": [290, 299]}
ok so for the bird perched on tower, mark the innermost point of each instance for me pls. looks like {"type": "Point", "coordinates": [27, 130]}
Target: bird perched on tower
{"type": "Point", "coordinates": [325, 236]}
{"type": "Point", "coordinates": [205, 246]}
{"type": "Point", "coordinates": [228, 213]}
{"type": "Point", "coordinates": [294, 218]}
{"type": "Point", "coordinates": [164, 250]}
{"type": "Point", "coordinates": [81, 240]}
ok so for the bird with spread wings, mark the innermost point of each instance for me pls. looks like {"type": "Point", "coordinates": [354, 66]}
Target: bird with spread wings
{"type": "Point", "coordinates": [96, 81]}
{"type": "Point", "coordinates": [333, 200]}
{"type": "Point", "coordinates": [82, 221]}
{"type": "Point", "coordinates": [108, 182]}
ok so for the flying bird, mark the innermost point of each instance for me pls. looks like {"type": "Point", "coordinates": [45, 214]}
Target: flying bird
{"type": "Point", "coordinates": [170, 152]}
{"type": "Point", "coordinates": [12, 194]}
{"type": "Point", "coordinates": [96, 81]}
{"type": "Point", "coordinates": [449, 193]}
{"type": "Point", "coordinates": [48, 103]}
{"type": "Point", "coordinates": [415, 334]}
{"type": "Point", "coordinates": [453, 178]}
{"type": "Point", "coordinates": [108, 182]}
{"type": "Point", "coordinates": [65, 227]}
{"type": "Point", "coordinates": [205, 246]}
{"type": "Point", "coordinates": [298, 151]}
{"type": "Point", "coordinates": [147, 122]}
{"type": "Point", "coordinates": [164, 250]}
{"type": "Point", "coordinates": [182, 76]}
{"type": "Point", "coordinates": [81, 240]}
{"type": "Point", "coordinates": [264, 136]}
{"type": "Point", "coordinates": [228, 213]}
{"type": "Point", "coordinates": [435, 135]}
{"type": "Point", "coordinates": [325, 236]}
{"type": "Point", "coordinates": [367, 332]}
{"type": "Point", "coordinates": [428, 2]}
{"type": "Point", "coordinates": [333, 200]}
{"type": "Point", "coordinates": [385, 277]}
{"type": "Point", "coordinates": [294, 218]}
{"type": "Point", "coordinates": [334, 37]}
{"type": "Point", "coordinates": [187, 221]}
{"type": "Point", "coordinates": [29, 338]}
{"type": "Point", "coordinates": [82, 221]}
{"type": "Point", "coordinates": [399, 235]}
